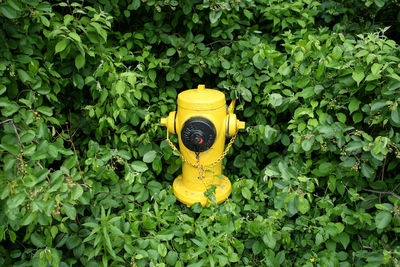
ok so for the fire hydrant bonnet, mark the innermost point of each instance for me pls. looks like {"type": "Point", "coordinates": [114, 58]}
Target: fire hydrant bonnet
{"type": "Point", "coordinates": [201, 99]}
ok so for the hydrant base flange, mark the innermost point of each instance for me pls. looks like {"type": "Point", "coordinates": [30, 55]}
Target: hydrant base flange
{"type": "Point", "coordinates": [190, 197]}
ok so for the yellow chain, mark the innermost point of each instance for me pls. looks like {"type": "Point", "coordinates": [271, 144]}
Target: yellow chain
{"type": "Point", "coordinates": [198, 165]}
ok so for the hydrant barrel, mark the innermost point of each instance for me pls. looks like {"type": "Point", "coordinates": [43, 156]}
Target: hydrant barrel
{"type": "Point", "coordinates": [202, 123]}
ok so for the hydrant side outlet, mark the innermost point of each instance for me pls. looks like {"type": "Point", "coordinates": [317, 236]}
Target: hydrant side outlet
{"type": "Point", "coordinates": [201, 123]}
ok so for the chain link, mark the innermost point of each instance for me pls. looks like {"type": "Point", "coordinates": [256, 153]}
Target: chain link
{"type": "Point", "coordinates": [198, 165]}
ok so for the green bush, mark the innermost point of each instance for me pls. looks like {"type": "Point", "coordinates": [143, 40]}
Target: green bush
{"type": "Point", "coordinates": [86, 172]}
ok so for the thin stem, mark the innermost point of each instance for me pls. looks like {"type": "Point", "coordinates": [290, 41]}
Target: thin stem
{"type": "Point", "coordinates": [15, 131]}
{"type": "Point", "coordinates": [382, 192]}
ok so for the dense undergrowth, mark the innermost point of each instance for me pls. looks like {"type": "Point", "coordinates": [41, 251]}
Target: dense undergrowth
{"type": "Point", "coordinates": [86, 173]}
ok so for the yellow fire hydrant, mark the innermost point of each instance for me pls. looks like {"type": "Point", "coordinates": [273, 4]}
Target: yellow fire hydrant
{"type": "Point", "coordinates": [202, 122]}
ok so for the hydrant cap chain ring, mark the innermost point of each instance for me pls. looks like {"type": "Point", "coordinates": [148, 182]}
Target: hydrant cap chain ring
{"type": "Point", "coordinates": [198, 134]}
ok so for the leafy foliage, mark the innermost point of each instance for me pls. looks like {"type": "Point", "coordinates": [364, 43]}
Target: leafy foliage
{"type": "Point", "coordinates": [86, 174]}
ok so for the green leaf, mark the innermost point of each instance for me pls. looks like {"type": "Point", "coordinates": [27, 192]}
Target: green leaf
{"type": "Point", "coordinates": [171, 258]}
{"type": "Point", "coordinates": [395, 115]}
{"type": "Point", "coordinates": [299, 56]}
{"type": "Point", "coordinates": [307, 144]}
{"type": "Point", "coordinates": [9, 12]}
{"type": "Point", "coordinates": [61, 45]}
{"type": "Point", "coordinates": [214, 16]}
{"type": "Point", "coordinates": [80, 61]}
{"type": "Point", "coordinates": [344, 239]}
{"type": "Point", "coordinates": [341, 117]}
{"type": "Point", "coordinates": [376, 67]}
{"type": "Point", "coordinates": [149, 156]}
{"type": "Point", "coordinates": [24, 76]}
{"type": "Point", "coordinates": [358, 75]}
{"type": "Point", "coordinates": [239, 161]}
{"type": "Point", "coordinates": [304, 205]}
{"type": "Point", "coordinates": [357, 117]}
{"type": "Point", "coordinates": [379, 3]}
{"type": "Point", "coordinates": [70, 211]}
{"type": "Point", "coordinates": [382, 219]}
{"type": "Point", "coordinates": [120, 87]}
{"type": "Point", "coordinates": [275, 99]}
{"type": "Point", "coordinates": [354, 104]}
{"type": "Point", "coordinates": [38, 240]}
{"type": "Point", "coordinates": [45, 21]}
{"type": "Point", "coordinates": [378, 105]}
{"type": "Point", "coordinates": [258, 61]}
{"type": "Point", "coordinates": [139, 166]}
{"type": "Point", "coordinates": [162, 250]}
{"type": "Point", "coordinates": [171, 51]}
{"type": "Point", "coordinates": [337, 53]}
{"type": "Point", "coordinates": [372, 77]}
{"type": "Point", "coordinates": [246, 193]}
{"type": "Point", "coordinates": [45, 110]}
{"type": "Point", "coordinates": [135, 4]}
{"type": "Point", "coordinates": [76, 192]}
{"type": "Point", "coordinates": [152, 75]}
{"type": "Point", "coordinates": [246, 93]}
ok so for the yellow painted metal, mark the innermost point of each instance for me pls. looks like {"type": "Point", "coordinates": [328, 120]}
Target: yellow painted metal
{"type": "Point", "coordinates": [210, 104]}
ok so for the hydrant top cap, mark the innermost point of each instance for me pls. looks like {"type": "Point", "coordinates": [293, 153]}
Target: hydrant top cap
{"type": "Point", "coordinates": [201, 99]}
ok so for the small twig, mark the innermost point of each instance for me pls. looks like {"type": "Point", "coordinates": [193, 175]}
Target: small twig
{"type": "Point", "coordinates": [382, 192]}
{"type": "Point", "coordinates": [76, 154]}
{"type": "Point", "coordinates": [7, 121]}
{"type": "Point", "coordinates": [20, 243]}
{"type": "Point", "coordinates": [221, 41]}
{"type": "Point", "coordinates": [15, 130]}
{"type": "Point", "coordinates": [360, 243]}
{"type": "Point", "coordinates": [383, 168]}
{"type": "Point", "coordinates": [41, 167]}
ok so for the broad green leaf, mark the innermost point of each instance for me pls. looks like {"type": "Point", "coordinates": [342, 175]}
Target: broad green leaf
{"type": "Point", "coordinates": [8, 11]}
{"type": "Point", "coordinates": [376, 67]}
{"type": "Point", "coordinates": [80, 61]}
{"type": "Point", "coordinates": [120, 87]}
{"type": "Point", "coordinates": [337, 53]}
{"type": "Point", "coordinates": [149, 156]}
{"type": "Point", "coordinates": [239, 161]}
{"type": "Point", "coordinates": [357, 117]}
{"type": "Point", "coordinates": [24, 76]}
{"type": "Point", "coordinates": [152, 75]}
{"type": "Point", "coordinates": [275, 99]}
{"type": "Point", "coordinates": [372, 77]}
{"type": "Point", "coordinates": [45, 21]}
{"type": "Point", "coordinates": [171, 51]}
{"type": "Point", "coordinates": [76, 192]}
{"type": "Point", "coordinates": [214, 16]}
{"type": "Point", "coordinates": [61, 45]}
{"type": "Point", "coordinates": [299, 56]}
{"type": "Point", "coordinates": [358, 75]}
{"type": "Point", "coordinates": [139, 166]}
{"type": "Point", "coordinates": [382, 219]}
{"type": "Point", "coordinates": [171, 258]}
{"type": "Point", "coordinates": [45, 110]}
{"type": "Point", "coordinates": [258, 61]}
{"type": "Point", "coordinates": [38, 240]}
{"type": "Point", "coordinates": [341, 117]}
{"type": "Point", "coordinates": [246, 93]}
{"type": "Point", "coordinates": [246, 193]}
{"type": "Point", "coordinates": [70, 211]}
{"type": "Point", "coordinates": [354, 104]}
{"type": "Point", "coordinates": [395, 115]}
{"type": "Point", "coordinates": [307, 144]}
{"type": "Point", "coordinates": [378, 105]}
{"type": "Point", "coordinates": [304, 205]}
{"type": "Point", "coordinates": [344, 239]}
